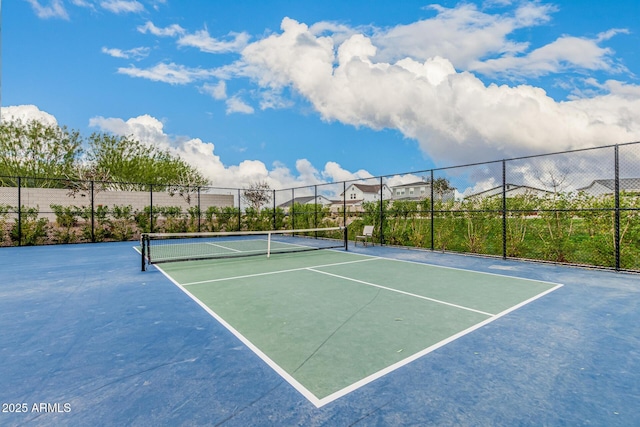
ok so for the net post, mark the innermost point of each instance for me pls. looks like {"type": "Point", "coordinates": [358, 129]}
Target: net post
{"type": "Point", "coordinates": [275, 225]}
{"type": "Point", "coordinates": [346, 238]}
{"type": "Point", "coordinates": [143, 251]}
{"type": "Point", "coordinates": [268, 245]}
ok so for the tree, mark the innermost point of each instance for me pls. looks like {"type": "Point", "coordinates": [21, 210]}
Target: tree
{"type": "Point", "coordinates": [257, 194]}
{"type": "Point", "coordinates": [441, 186]}
{"type": "Point", "coordinates": [38, 150]}
{"type": "Point", "coordinates": [131, 165]}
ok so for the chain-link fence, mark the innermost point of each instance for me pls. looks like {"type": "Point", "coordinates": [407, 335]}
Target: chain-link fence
{"type": "Point", "coordinates": [577, 207]}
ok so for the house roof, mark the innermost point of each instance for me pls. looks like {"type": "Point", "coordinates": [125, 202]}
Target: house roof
{"type": "Point", "coordinates": [509, 188]}
{"type": "Point", "coordinates": [368, 188]}
{"type": "Point", "coordinates": [301, 200]}
{"type": "Point", "coordinates": [413, 184]}
{"type": "Point", "coordinates": [625, 184]}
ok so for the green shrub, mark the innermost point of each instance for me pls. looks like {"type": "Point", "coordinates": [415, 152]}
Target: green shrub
{"type": "Point", "coordinates": [28, 229]}
{"type": "Point", "coordinates": [66, 222]}
{"type": "Point", "coordinates": [122, 223]}
{"type": "Point", "coordinates": [4, 215]}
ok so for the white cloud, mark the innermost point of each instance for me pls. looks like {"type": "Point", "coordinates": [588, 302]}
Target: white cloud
{"type": "Point", "coordinates": [611, 33]}
{"type": "Point", "coordinates": [217, 91]}
{"type": "Point", "coordinates": [274, 99]}
{"type": "Point", "coordinates": [333, 172]}
{"type": "Point", "coordinates": [83, 3]}
{"type": "Point", "coordinates": [462, 34]}
{"type": "Point", "coordinates": [453, 115]}
{"type": "Point", "coordinates": [565, 53]}
{"type": "Point", "coordinates": [27, 113]}
{"type": "Point", "coordinates": [170, 31]}
{"type": "Point", "coordinates": [122, 6]}
{"type": "Point", "coordinates": [203, 41]}
{"type": "Point", "coordinates": [237, 105]}
{"type": "Point", "coordinates": [201, 155]}
{"type": "Point", "coordinates": [55, 9]}
{"type": "Point", "coordinates": [168, 73]}
{"type": "Point", "coordinates": [137, 53]}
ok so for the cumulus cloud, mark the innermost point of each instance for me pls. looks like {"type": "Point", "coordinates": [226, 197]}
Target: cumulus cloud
{"type": "Point", "coordinates": [423, 79]}
{"type": "Point", "coordinates": [333, 172]}
{"type": "Point", "coordinates": [201, 154]}
{"type": "Point", "coordinates": [26, 113]}
{"type": "Point", "coordinates": [453, 115]}
{"type": "Point", "coordinates": [562, 54]}
{"type": "Point", "coordinates": [198, 153]}
{"type": "Point", "coordinates": [461, 34]}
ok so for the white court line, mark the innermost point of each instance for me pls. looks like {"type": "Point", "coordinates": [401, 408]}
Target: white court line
{"type": "Point", "coordinates": [364, 381]}
{"type": "Point", "coordinates": [222, 279]}
{"type": "Point", "coordinates": [222, 247]}
{"type": "Point", "coordinates": [317, 402]}
{"type": "Point", "coordinates": [401, 292]}
{"type": "Point", "coordinates": [284, 374]}
{"type": "Point", "coordinates": [233, 241]}
{"type": "Point", "coordinates": [460, 269]}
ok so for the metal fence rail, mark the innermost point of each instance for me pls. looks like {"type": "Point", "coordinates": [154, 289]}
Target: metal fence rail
{"type": "Point", "coordinates": [575, 207]}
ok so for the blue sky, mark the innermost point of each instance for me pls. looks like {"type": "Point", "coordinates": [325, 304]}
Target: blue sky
{"type": "Point", "coordinates": [295, 93]}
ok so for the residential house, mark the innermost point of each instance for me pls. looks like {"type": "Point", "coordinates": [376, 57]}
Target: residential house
{"type": "Point", "coordinates": [420, 190]}
{"type": "Point", "coordinates": [511, 190]}
{"type": "Point", "coordinates": [307, 200]}
{"type": "Point", "coordinates": [356, 194]}
{"type": "Point", "coordinates": [601, 187]}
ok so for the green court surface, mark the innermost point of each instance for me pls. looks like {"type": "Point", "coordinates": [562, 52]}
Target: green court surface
{"type": "Point", "coordinates": [332, 321]}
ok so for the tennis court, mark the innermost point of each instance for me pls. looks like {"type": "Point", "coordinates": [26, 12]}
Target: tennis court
{"type": "Point", "coordinates": [369, 336]}
{"type": "Point", "coordinates": [331, 321]}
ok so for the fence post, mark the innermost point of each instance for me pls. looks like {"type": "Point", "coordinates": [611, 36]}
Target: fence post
{"type": "Point", "coordinates": [433, 245]}
{"type": "Point", "coordinates": [93, 223]}
{"type": "Point", "coordinates": [381, 216]}
{"type": "Point", "coordinates": [239, 212]}
{"type": "Point", "coordinates": [151, 208]}
{"type": "Point", "coordinates": [19, 211]}
{"type": "Point", "coordinates": [274, 210]}
{"type": "Point", "coordinates": [617, 206]}
{"type": "Point", "coordinates": [504, 209]}
{"type": "Point", "coordinates": [344, 204]}
{"type": "Point", "coordinates": [199, 212]}
{"type": "Point", "coordinates": [292, 210]}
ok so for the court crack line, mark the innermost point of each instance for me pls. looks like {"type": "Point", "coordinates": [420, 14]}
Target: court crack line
{"type": "Point", "coordinates": [337, 329]}
{"type": "Point", "coordinates": [401, 292]}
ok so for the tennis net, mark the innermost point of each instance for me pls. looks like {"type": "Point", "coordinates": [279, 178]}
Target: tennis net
{"type": "Point", "coordinates": [171, 247]}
